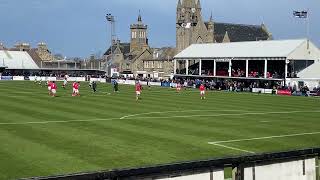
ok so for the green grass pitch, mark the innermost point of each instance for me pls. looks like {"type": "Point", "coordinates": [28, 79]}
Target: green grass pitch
{"type": "Point", "coordinates": [41, 135]}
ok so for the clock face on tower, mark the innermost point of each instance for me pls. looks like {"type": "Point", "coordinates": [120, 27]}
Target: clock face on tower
{"type": "Point", "coordinates": [183, 10]}
{"type": "Point", "coordinates": [193, 10]}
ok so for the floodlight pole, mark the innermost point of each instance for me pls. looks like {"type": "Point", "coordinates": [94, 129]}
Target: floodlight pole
{"type": "Point", "coordinates": [110, 18]}
{"type": "Point", "coordinates": [308, 28]}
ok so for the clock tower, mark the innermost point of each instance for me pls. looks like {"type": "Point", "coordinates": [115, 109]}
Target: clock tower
{"type": "Point", "coordinates": [139, 38]}
{"type": "Point", "coordinates": [190, 27]}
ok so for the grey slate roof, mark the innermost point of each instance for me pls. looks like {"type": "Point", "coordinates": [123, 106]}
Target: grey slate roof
{"type": "Point", "coordinates": [124, 47]}
{"type": "Point", "coordinates": [239, 32]}
{"type": "Point", "coordinates": [164, 53]}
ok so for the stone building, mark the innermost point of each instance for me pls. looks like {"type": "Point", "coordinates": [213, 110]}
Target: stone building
{"type": "Point", "coordinates": [40, 53]}
{"type": "Point", "coordinates": [191, 28]}
{"type": "Point", "coordinates": [43, 52]}
{"type": "Point", "coordinates": [137, 58]}
{"type": "Point", "coordinates": [21, 47]}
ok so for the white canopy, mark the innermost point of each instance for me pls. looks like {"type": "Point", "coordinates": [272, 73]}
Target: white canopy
{"type": "Point", "coordinates": [17, 60]}
{"type": "Point", "coordinates": [290, 49]}
{"type": "Point", "coordinates": [312, 71]}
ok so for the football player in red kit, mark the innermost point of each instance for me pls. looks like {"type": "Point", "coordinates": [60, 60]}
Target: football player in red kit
{"type": "Point", "coordinates": [49, 87]}
{"type": "Point", "coordinates": [178, 87]}
{"type": "Point", "coordinates": [76, 86]}
{"type": "Point", "coordinates": [53, 89]}
{"type": "Point", "coordinates": [202, 91]}
{"type": "Point", "coordinates": [138, 91]}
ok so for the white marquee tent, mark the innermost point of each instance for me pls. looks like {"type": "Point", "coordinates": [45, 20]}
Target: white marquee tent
{"type": "Point", "coordinates": [17, 60]}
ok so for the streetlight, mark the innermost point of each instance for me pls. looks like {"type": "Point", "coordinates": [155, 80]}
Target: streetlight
{"type": "Point", "coordinates": [110, 18]}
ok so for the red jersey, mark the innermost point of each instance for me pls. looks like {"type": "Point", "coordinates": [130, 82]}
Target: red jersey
{"type": "Point", "coordinates": [53, 86]}
{"type": "Point", "coordinates": [202, 88]}
{"type": "Point", "coordinates": [76, 86]}
{"type": "Point", "coordinates": [49, 84]}
{"type": "Point", "coordinates": [178, 85]}
{"type": "Point", "coordinates": [138, 87]}
{"type": "Point", "coordinates": [73, 84]}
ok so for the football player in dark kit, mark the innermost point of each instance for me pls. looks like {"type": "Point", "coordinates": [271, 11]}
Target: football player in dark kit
{"type": "Point", "coordinates": [94, 86]}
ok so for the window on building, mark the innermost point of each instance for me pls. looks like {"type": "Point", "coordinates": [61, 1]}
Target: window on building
{"type": "Point", "coordinates": [155, 55]}
{"type": "Point", "coordinates": [150, 64]}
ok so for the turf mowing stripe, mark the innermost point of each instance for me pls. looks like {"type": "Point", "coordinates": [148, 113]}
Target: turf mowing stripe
{"type": "Point", "coordinates": [267, 137]}
{"type": "Point", "coordinates": [166, 117]}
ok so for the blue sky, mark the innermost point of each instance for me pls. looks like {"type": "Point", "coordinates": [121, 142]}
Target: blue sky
{"type": "Point", "coordinates": [77, 28]}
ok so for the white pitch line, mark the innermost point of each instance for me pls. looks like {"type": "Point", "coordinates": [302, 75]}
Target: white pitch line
{"type": "Point", "coordinates": [260, 138]}
{"type": "Point", "coordinates": [265, 121]}
{"type": "Point", "coordinates": [218, 115]}
{"type": "Point", "coordinates": [162, 112]}
{"type": "Point", "coordinates": [51, 122]}
{"type": "Point", "coordinates": [3, 93]}
{"type": "Point", "coordinates": [233, 148]}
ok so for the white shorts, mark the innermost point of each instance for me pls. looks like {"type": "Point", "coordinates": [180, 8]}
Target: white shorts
{"type": "Point", "coordinates": [73, 90]}
{"type": "Point", "coordinates": [53, 91]}
{"type": "Point", "coordinates": [49, 88]}
{"type": "Point", "coordinates": [76, 91]}
{"type": "Point", "coordinates": [202, 92]}
{"type": "Point", "coordinates": [178, 89]}
{"type": "Point", "coordinates": [138, 93]}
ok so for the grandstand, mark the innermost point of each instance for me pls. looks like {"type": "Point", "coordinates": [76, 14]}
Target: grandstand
{"type": "Point", "coordinates": [275, 60]}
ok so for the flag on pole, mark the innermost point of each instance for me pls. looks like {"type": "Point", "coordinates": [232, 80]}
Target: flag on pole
{"type": "Point", "coordinates": [300, 14]}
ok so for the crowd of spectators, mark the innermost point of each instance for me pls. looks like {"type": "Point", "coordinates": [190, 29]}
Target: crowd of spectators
{"type": "Point", "coordinates": [228, 85]}
{"type": "Point", "coordinates": [224, 72]}
{"type": "Point", "coordinates": [217, 84]}
{"type": "Point", "coordinates": [238, 73]}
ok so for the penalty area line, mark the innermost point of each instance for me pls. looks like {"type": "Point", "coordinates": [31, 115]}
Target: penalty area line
{"type": "Point", "coordinates": [266, 137]}
{"type": "Point", "coordinates": [219, 143]}
{"type": "Point", "coordinates": [233, 148]}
